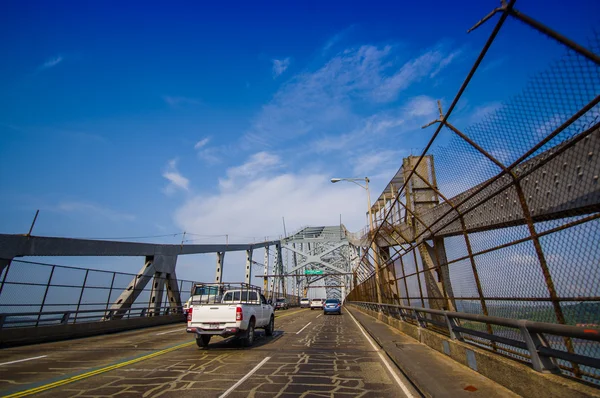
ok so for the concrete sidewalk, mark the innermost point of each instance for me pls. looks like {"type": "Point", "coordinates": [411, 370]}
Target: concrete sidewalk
{"type": "Point", "coordinates": [434, 374]}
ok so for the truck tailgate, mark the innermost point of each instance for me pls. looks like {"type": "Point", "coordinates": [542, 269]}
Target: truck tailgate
{"type": "Point", "coordinates": [213, 313]}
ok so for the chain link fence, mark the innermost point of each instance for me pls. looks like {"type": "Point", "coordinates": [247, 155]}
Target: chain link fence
{"type": "Point", "coordinates": [507, 221]}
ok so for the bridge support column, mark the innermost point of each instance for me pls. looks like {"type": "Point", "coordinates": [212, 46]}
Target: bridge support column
{"type": "Point", "coordinates": [131, 293]}
{"type": "Point", "coordinates": [420, 197]}
{"type": "Point", "coordinates": [173, 293]}
{"type": "Point", "coordinates": [280, 270]}
{"type": "Point", "coordinates": [161, 270]}
{"type": "Point", "coordinates": [388, 278]}
{"type": "Point", "coordinates": [220, 258]}
{"type": "Point", "coordinates": [164, 276]}
{"type": "Point", "coordinates": [266, 278]}
{"type": "Point", "coordinates": [248, 266]}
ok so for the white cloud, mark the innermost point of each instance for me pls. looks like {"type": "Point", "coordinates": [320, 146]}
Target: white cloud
{"type": "Point", "coordinates": [210, 155]}
{"type": "Point", "coordinates": [176, 180]}
{"type": "Point", "coordinates": [255, 208]}
{"type": "Point", "coordinates": [51, 62]}
{"type": "Point", "coordinates": [421, 106]}
{"type": "Point", "coordinates": [202, 143]}
{"type": "Point", "coordinates": [376, 160]}
{"type": "Point", "coordinates": [337, 38]}
{"type": "Point", "coordinates": [429, 64]}
{"type": "Point", "coordinates": [94, 210]}
{"type": "Point", "coordinates": [445, 62]}
{"type": "Point", "coordinates": [481, 112]}
{"type": "Point", "coordinates": [409, 116]}
{"type": "Point", "coordinates": [349, 105]}
{"type": "Point", "coordinates": [330, 100]}
{"type": "Point", "coordinates": [258, 164]}
{"type": "Point", "coordinates": [280, 66]}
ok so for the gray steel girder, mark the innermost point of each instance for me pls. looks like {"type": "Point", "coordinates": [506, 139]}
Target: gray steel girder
{"type": "Point", "coordinates": [560, 182]}
{"type": "Point", "coordinates": [131, 293]}
{"type": "Point", "coordinates": [315, 259]}
{"type": "Point", "coordinates": [12, 246]}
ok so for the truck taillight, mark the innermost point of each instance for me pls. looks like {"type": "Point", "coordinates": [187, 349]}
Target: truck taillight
{"type": "Point", "coordinates": [239, 315]}
{"type": "Point", "coordinates": [189, 315]}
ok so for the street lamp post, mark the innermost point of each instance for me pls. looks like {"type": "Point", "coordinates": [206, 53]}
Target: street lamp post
{"type": "Point", "coordinates": [371, 228]}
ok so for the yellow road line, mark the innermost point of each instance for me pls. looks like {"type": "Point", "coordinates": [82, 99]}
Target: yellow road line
{"type": "Point", "coordinates": [82, 376]}
{"type": "Point", "coordinates": [291, 313]}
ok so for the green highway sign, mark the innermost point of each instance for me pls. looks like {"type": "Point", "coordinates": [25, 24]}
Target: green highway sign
{"type": "Point", "coordinates": [313, 272]}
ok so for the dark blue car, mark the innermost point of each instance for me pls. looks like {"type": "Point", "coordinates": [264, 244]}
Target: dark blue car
{"type": "Point", "coordinates": [332, 306]}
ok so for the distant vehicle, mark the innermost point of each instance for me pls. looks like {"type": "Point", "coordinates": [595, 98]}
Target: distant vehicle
{"type": "Point", "coordinates": [332, 306]}
{"type": "Point", "coordinates": [304, 303]}
{"type": "Point", "coordinates": [228, 310]}
{"type": "Point", "coordinates": [281, 304]}
{"type": "Point", "coordinates": [316, 303]}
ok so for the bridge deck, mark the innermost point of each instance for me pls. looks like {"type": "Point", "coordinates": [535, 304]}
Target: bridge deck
{"type": "Point", "coordinates": [309, 353]}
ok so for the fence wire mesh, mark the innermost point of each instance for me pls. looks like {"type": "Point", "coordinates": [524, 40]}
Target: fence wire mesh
{"type": "Point", "coordinates": [507, 222]}
{"type": "Point", "coordinates": [29, 286]}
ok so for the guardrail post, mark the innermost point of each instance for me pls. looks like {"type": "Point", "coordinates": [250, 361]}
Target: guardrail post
{"type": "Point", "coordinates": [420, 320]}
{"type": "Point", "coordinates": [2, 320]}
{"type": "Point", "coordinates": [45, 295]}
{"type": "Point", "coordinates": [65, 318]}
{"type": "Point", "coordinates": [143, 313]}
{"type": "Point", "coordinates": [454, 334]}
{"type": "Point", "coordinates": [402, 315]}
{"type": "Point", "coordinates": [81, 294]}
{"type": "Point", "coordinates": [541, 363]}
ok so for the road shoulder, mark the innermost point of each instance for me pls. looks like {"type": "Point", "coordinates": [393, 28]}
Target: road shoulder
{"type": "Point", "coordinates": [431, 372]}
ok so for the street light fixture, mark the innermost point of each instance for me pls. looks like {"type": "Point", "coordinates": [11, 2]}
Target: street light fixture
{"type": "Point", "coordinates": [371, 228]}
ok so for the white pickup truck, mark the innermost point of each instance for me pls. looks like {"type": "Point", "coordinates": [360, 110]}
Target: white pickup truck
{"type": "Point", "coordinates": [226, 311]}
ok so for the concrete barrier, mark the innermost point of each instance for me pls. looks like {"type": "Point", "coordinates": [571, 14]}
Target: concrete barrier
{"type": "Point", "coordinates": [10, 337]}
{"type": "Point", "coordinates": [512, 374]}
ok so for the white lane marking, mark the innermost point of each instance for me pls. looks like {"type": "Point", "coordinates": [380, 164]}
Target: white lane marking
{"type": "Point", "coordinates": [172, 331]}
{"type": "Point", "coordinates": [243, 379]}
{"type": "Point", "coordinates": [318, 316]}
{"type": "Point", "coordinates": [305, 326]}
{"type": "Point", "coordinates": [383, 359]}
{"type": "Point", "coordinates": [23, 360]}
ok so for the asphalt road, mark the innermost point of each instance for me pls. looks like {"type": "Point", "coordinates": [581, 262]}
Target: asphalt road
{"type": "Point", "coordinates": [310, 355]}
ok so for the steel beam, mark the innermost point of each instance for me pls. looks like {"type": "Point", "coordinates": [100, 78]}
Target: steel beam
{"type": "Point", "coordinates": [562, 181]}
{"type": "Point", "coordinates": [248, 266]}
{"type": "Point", "coordinates": [219, 271]}
{"type": "Point", "coordinates": [131, 293]}
{"type": "Point", "coordinates": [12, 246]}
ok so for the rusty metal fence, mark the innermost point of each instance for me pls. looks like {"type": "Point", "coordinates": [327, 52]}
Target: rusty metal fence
{"type": "Point", "coordinates": [503, 220]}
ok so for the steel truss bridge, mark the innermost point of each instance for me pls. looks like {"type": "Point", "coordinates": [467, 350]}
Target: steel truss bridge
{"type": "Point", "coordinates": [485, 247]}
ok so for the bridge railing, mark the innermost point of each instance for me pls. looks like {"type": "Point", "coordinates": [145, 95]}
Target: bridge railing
{"type": "Point", "coordinates": [500, 214]}
{"type": "Point", "coordinates": [539, 343]}
{"type": "Point", "coordinates": [49, 318]}
{"type": "Point", "coordinates": [49, 291]}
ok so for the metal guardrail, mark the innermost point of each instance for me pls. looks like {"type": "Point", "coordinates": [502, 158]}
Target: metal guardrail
{"type": "Point", "coordinates": [49, 318]}
{"type": "Point", "coordinates": [34, 289]}
{"type": "Point", "coordinates": [533, 334]}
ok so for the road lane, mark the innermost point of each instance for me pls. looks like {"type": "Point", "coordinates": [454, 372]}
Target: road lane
{"type": "Point", "coordinates": [78, 355]}
{"type": "Point", "coordinates": [59, 359]}
{"type": "Point", "coordinates": [330, 357]}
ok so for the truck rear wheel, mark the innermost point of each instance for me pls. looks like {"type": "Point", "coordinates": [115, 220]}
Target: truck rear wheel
{"type": "Point", "coordinates": [203, 340]}
{"type": "Point", "coordinates": [249, 339]}
{"type": "Point", "coordinates": [270, 327]}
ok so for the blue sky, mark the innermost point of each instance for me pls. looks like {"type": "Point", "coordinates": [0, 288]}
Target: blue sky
{"type": "Point", "coordinates": [133, 120]}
